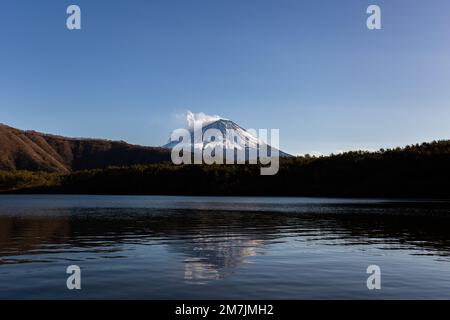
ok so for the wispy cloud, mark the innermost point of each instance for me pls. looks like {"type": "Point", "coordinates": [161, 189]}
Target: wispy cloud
{"type": "Point", "coordinates": [191, 118]}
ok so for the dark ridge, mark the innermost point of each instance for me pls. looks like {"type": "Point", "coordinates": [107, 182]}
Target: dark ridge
{"type": "Point", "coordinates": [35, 151]}
{"type": "Point", "coordinates": [418, 171]}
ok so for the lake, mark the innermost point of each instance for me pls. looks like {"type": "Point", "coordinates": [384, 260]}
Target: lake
{"type": "Point", "coordinates": [155, 247]}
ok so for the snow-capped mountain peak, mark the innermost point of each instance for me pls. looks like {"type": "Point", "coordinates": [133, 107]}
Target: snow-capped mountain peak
{"type": "Point", "coordinates": [218, 132]}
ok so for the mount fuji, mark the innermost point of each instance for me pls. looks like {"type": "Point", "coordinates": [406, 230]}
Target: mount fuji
{"type": "Point", "coordinates": [235, 138]}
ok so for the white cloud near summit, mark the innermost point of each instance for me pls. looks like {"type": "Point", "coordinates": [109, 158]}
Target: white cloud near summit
{"type": "Point", "coordinates": [200, 118]}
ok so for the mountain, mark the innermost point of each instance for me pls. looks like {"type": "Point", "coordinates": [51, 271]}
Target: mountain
{"type": "Point", "coordinates": [34, 151]}
{"type": "Point", "coordinates": [241, 139]}
{"type": "Point", "coordinates": [419, 171]}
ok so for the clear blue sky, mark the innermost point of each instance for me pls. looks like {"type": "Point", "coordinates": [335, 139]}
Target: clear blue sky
{"type": "Point", "coordinates": [310, 68]}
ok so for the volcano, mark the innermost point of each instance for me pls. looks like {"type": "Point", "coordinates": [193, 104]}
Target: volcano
{"type": "Point", "coordinates": [234, 139]}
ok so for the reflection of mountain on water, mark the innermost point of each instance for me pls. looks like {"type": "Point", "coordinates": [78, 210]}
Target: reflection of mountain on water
{"type": "Point", "coordinates": [213, 259]}
{"type": "Point", "coordinates": [214, 243]}
{"type": "Point", "coordinates": [23, 236]}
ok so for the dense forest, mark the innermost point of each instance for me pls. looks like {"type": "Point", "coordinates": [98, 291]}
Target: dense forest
{"type": "Point", "coordinates": [414, 171]}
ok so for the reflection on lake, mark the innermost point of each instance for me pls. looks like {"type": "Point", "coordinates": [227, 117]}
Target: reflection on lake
{"type": "Point", "coordinates": [220, 248]}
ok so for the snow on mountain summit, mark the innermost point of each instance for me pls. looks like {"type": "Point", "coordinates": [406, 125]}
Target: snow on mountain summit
{"type": "Point", "coordinates": [234, 137]}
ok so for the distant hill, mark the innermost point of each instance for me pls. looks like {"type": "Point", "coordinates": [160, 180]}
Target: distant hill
{"type": "Point", "coordinates": [418, 171]}
{"type": "Point", "coordinates": [33, 162]}
{"type": "Point", "coordinates": [35, 151]}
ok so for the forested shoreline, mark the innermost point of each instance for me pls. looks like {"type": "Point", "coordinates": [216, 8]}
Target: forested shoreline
{"type": "Point", "coordinates": [418, 171]}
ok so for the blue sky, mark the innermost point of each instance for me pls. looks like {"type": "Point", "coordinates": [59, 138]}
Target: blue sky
{"type": "Point", "coordinates": [310, 68]}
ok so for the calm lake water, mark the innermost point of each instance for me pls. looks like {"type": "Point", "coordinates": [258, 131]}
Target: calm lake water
{"type": "Point", "coordinates": [139, 247]}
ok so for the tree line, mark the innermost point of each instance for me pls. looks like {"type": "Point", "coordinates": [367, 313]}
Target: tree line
{"type": "Point", "coordinates": [414, 171]}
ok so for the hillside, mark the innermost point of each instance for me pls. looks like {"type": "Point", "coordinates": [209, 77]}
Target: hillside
{"type": "Point", "coordinates": [34, 151]}
{"type": "Point", "coordinates": [419, 171]}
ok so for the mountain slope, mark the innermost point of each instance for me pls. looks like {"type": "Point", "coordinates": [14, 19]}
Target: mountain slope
{"type": "Point", "coordinates": [241, 138]}
{"type": "Point", "coordinates": [419, 171]}
{"type": "Point", "coordinates": [30, 150]}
